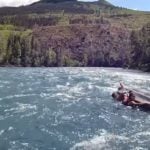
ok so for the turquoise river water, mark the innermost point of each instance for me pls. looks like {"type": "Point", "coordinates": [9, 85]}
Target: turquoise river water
{"type": "Point", "coordinates": [70, 109]}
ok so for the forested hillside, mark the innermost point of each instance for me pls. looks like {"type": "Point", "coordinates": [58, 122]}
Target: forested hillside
{"type": "Point", "coordinates": [72, 33]}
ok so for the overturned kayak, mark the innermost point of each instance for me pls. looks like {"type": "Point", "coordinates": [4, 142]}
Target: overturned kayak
{"type": "Point", "coordinates": [142, 101]}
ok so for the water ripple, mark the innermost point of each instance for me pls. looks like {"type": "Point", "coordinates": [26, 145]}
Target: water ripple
{"type": "Point", "coordinates": [70, 108]}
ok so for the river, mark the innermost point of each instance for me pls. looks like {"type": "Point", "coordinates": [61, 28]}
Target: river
{"type": "Point", "coordinates": [70, 109]}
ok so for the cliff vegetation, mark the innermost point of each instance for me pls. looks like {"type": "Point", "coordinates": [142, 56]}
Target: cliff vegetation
{"type": "Point", "coordinates": [73, 33]}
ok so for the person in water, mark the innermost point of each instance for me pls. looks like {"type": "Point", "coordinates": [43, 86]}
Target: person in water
{"type": "Point", "coordinates": [132, 100]}
{"type": "Point", "coordinates": [125, 96]}
{"type": "Point", "coordinates": [121, 89]}
{"type": "Point", "coordinates": [121, 94]}
{"type": "Point", "coordinates": [128, 98]}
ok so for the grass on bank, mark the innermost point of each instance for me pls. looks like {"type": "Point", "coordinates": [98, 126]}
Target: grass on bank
{"type": "Point", "coordinates": [5, 32]}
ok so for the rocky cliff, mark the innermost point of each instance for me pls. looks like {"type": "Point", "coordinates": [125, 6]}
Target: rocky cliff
{"type": "Point", "coordinates": [97, 35]}
{"type": "Point", "coordinates": [99, 45]}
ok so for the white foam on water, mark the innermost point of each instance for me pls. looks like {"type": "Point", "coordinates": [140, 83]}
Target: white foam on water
{"type": "Point", "coordinates": [105, 82]}
{"type": "Point", "coordinates": [128, 118]}
{"type": "Point", "coordinates": [63, 96]}
{"type": "Point", "coordinates": [23, 107]}
{"type": "Point", "coordinates": [4, 82]}
{"type": "Point", "coordinates": [6, 116]}
{"type": "Point", "coordinates": [17, 96]}
{"type": "Point", "coordinates": [13, 142]}
{"type": "Point", "coordinates": [43, 95]}
{"type": "Point", "coordinates": [145, 133]}
{"type": "Point", "coordinates": [46, 111]}
{"type": "Point", "coordinates": [11, 109]}
{"type": "Point", "coordinates": [10, 128]}
{"type": "Point", "coordinates": [47, 131]}
{"type": "Point", "coordinates": [67, 118]}
{"type": "Point", "coordinates": [139, 148]}
{"type": "Point", "coordinates": [90, 86]}
{"type": "Point", "coordinates": [106, 118]}
{"type": "Point", "coordinates": [28, 114]}
{"type": "Point", "coordinates": [77, 89]}
{"type": "Point", "coordinates": [1, 132]}
{"type": "Point", "coordinates": [67, 83]}
{"type": "Point", "coordinates": [60, 86]}
{"type": "Point", "coordinates": [25, 144]}
{"type": "Point", "coordinates": [82, 116]}
{"type": "Point", "coordinates": [30, 77]}
{"type": "Point", "coordinates": [141, 137]}
{"type": "Point", "coordinates": [30, 89]}
{"type": "Point", "coordinates": [21, 84]}
{"type": "Point", "coordinates": [20, 108]}
{"type": "Point", "coordinates": [98, 142]}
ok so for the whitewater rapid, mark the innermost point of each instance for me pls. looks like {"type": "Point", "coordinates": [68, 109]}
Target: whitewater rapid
{"type": "Point", "coordinates": [70, 108]}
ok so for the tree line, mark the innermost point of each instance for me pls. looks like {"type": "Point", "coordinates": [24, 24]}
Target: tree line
{"type": "Point", "coordinates": [141, 48]}
{"type": "Point", "coordinates": [28, 51]}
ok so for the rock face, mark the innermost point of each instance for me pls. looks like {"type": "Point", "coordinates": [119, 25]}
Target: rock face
{"type": "Point", "coordinates": [141, 48]}
{"type": "Point", "coordinates": [99, 45]}
{"type": "Point", "coordinates": [102, 45]}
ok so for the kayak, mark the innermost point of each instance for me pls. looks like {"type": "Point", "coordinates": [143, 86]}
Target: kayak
{"type": "Point", "coordinates": [142, 101]}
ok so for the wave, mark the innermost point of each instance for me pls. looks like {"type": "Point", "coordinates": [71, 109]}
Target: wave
{"type": "Point", "coordinates": [102, 142]}
{"type": "Point", "coordinates": [72, 108]}
{"type": "Point", "coordinates": [1, 132]}
{"type": "Point", "coordinates": [17, 96]}
{"type": "Point", "coordinates": [144, 133]}
{"type": "Point", "coordinates": [21, 108]}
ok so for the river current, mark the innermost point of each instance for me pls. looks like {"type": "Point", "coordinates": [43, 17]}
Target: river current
{"type": "Point", "coordinates": [70, 109]}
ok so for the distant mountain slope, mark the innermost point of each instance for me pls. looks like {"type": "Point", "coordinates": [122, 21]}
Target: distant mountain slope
{"type": "Point", "coordinates": [104, 2]}
{"type": "Point", "coordinates": [69, 6]}
{"type": "Point", "coordinates": [100, 3]}
{"type": "Point", "coordinates": [57, 1]}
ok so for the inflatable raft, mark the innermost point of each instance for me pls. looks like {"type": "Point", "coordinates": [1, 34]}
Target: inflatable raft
{"type": "Point", "coordinates": [142, 101]}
